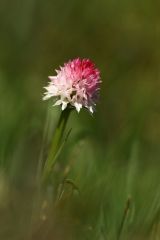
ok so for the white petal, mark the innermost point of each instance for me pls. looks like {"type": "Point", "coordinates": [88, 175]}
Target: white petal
{"type": "Point", "coordinates": [91, 109]}
{"type": "Point", "coordinates": [52, 77]}
{"type": "Point", "coordinates": [47, 96]}
{"type": "Point", "coordinates": [78, 106]}
{"type": "Point", "coordinates": [64, 105]}
{"type": "Point", "coordinates": [51, 89]}
{"type": "Point", "coordinates": [58, 102]}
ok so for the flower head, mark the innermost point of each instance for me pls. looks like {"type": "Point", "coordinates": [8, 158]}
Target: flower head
{"type": "Point", "coordinates": [76, 84]}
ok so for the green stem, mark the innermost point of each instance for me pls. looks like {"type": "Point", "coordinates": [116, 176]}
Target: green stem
{"type": "Point", "coordinates": [55, 145]}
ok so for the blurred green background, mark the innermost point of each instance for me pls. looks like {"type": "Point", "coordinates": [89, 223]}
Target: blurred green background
{"type": "Point", "coordinates": [113, 157]}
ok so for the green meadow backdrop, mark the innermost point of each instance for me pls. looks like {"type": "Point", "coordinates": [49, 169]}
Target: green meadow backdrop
{"type": "Point", "coordinates": [107, 178]}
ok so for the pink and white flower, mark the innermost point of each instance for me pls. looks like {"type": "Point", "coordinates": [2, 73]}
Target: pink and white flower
{"type": "Point", "coordinates": [76, 84]}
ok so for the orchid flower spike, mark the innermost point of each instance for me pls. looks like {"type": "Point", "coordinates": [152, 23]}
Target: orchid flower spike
{"type": "Point", "coordinates": [76, 84]}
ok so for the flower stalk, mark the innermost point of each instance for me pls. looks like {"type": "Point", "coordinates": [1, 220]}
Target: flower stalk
{"type": "Point", "coordinates": [55, 145]}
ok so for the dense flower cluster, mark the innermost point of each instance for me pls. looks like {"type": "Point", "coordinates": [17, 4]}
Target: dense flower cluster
{"type": "Point", "coordinates": [76, 84]}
